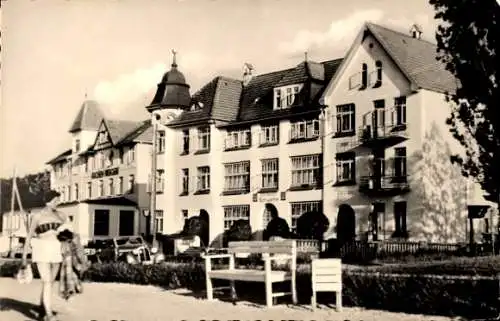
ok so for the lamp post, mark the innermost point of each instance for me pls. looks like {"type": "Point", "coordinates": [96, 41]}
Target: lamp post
{"type": "Point", "coordinates": [152, 211]}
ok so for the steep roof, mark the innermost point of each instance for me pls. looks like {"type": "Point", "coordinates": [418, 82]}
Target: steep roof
{"type": "Point", "coordinates": [88, 118]}
{"type": "Point", "coordinates": [143, 134]}
{"type": "Point", "coordinates": [120, 129]}
{"type": "Point", "coordinates": [226, 100]}
{"type": "Point", "coordinates": [416, 58]}
{"type": "Point", "coordinates": [63, 156]}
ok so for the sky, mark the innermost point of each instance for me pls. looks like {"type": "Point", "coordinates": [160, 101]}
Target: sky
{"type": "Point", "coordinates": [57, 52]}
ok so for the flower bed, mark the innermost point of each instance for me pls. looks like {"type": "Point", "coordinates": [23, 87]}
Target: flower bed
{"type": "Point", "coordinates": [416, 292]}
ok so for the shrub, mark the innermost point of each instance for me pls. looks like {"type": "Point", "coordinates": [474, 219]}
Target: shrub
{"type": "Point", "coordinates": [442, 295]}
{"type": "Point", "coordinates": [277, 227]}
{"type": "Point", "coordinates": [239, 231]}
{"type": "Point", "coordinates": [196, 226]}
{"type": "Point", "coordinates": [312, 225]}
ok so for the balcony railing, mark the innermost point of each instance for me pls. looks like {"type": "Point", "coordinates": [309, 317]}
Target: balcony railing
{"type": "Point", "coordinates": [384, 184]}
{"type": "Point", "coordinates": [386, 126]}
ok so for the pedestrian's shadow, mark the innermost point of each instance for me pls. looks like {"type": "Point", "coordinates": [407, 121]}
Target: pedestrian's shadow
{"type": "Point", "coordinates": [27, 309]}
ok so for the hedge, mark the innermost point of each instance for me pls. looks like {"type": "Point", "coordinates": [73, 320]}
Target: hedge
{"type": "Point", "coordinates": [467, 296]}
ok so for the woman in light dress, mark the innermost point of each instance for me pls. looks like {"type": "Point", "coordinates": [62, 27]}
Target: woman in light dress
{"type": "Point", "coordinates": [46, 249]}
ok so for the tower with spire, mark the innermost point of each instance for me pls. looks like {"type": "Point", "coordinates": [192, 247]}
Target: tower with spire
{"type": "Point", "coordinates": [85, 125]}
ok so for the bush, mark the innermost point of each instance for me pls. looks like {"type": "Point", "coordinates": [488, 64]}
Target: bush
{"type": "Point", "coordinates": [277, 227]}
{"type": "Point", "coordinates": [239, 231]}
{"type": "Point", "coordinates": [197, 226]}
{"type": "Point", "coordinates": [442, 295]}
{"type": "Point", "coordinates": [312, 225]}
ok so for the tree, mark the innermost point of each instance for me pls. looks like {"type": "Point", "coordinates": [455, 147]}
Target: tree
{"type": "Point", "coordinates": [467, 40]}
{"type": "Point", "coordinates": [441, 188]}
{"type": "Point", "coordinates": [312, 225]}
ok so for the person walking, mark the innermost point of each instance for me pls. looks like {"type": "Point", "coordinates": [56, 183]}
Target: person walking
{"type": "Point", "coordinates": [46, 249]}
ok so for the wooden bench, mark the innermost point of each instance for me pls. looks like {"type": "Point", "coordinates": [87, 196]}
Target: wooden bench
{"type": "Point", "coordinates": [326, 276]}
{"type": "Point", "coordinates": [282, 248]}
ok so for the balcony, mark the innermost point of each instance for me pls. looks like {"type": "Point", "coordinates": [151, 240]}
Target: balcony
{"type": "Point", "coordinates": [384, 128]}
{"type": "Point", "coordinates": [384, 185]}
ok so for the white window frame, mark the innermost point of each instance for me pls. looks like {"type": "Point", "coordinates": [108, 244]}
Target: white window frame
{"type": "Point", "coordinates": [111, 186]}
{"type": "Point", "coordinates": [306, 170]}
{"type": "Point", "coordinates": [203, 178]}
{"type": "Point", "coordinates": [299, 208]}
{"type": "Point", "coordinates": [89, 190]}
{"type": "Point", "coordinates": [305, 129]}
{"type": "Point", "coordinates": [185, 180]}
{"type": "Point", "coordinates": [160, 142]}
{"type": "Point", "coordinates": [101, 188]}
{"type": "Point", "coordinates": [120, 185]}
{"type": "Point", "coordinates": [159, 221]}
{"type": "Point", "coordinates": [269, 134]}
{"type": "Point", "coordinates": [345, 113]}
{"type": "Point", "coordinates": [285, 96]}
{"type": "Point", "coordinates": [399, 105]}
{"type": "Point", "coordinates": [238, 139]}
{"type": "Point", "coordinates": [131, 183]}
{"type": "Point", "coordinates": [270, 173]}
{"type": "Point", "coordinates": [185, 141]}
{"type": "Point", "coordinates": [233, 213]}
{"type": "Point", "coordinates": [131, 155]}
{"type": "Point", "coordinates": [340, 165]}
{"type": "Point", "coordinates": [204, 138]}
{"type": "Point", "coordinates": [237, 176]}
{"type": "Point", "coordinates": [160, 180]}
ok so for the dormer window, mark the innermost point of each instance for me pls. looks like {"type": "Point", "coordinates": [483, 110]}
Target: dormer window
{"type": "Point", "coordinates": [103, 137]}
{"type": "Point", "coordinates": [196, 106]}
{"type": "Point", "coordinates": [284, 97]}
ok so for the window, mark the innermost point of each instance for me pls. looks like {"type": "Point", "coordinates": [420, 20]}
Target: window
{"type": "Point", "coordinates": [160, 142]}
{"type": "Point", "coordinates": [160, 180]}
{"type": "Point", "coordinates": [77, 145]}
{"type": "Point", "coordinates": [185, 215]}
{"type": "Point", "coordinates": [306, 171]}
{"type": "Point", "coordinates": [364, 76]}
{"type": "Point", "coordinates": [86, 164]}
{"type": "Point", "coordinates": [203, 178]}
{"type": "Point", "coordinates": [346, 118]}
{"type": "Point", "coordinates": [159, 221]}
{"type": "Point", "coordinates": [131, 183]}
{"type": "Point", "coordinates": [238, 139]}
{"type": "Point", "coordinates": [346, 166]}
{"type": "Point", "coordinates": [101, 222]}
{"type": "Point", "coordinates": [121, 155]}
{"type": "Point", "coordinates": [89, 189]}
{"type": "Point", "coordinates": [299, 208]}
{"type": "Point", "coordinates": [185, 141]}
{"type": "Point", "coordinates": [101, 187]}
{"type": "Point", "coordinates": [237, 176]}
{"type": "Point", "coordinates": [109, 159]}
{"type": "Point", "coordinates": [399, 114]}
{"type": "Point", "coordinates": [378, 73]}
{"type": "Point", "coordinates": [77, 192]}
{"type": "Point", "coordinates": [69, 193]}
{"type": "Point", "coordinates": [269, 135]}
{"type": "Point", "coordinates": [103, 137]}
{"type": "Point", "coordinates": [185, 181]}
{"type": "Point", "coordinates": [306, 129]}
{"type": "Point", "coordinates": [400, 162]}
{"type": "Point", "coordinates": [270, 172]}
{"type": "Point", "coordinates": [126, 225]}
{"type": "Point", "coordinates": [120, 185]}
{"type": "Point", "coordinates": [284, 97]}
{"type": "Point", "coordinates": [234, 213]}
{"type": "Point", "coordinates": [102, 160]}
{"type": "Point", "coordinates": [111, 187]}
{"type": "Point", "coordinates": [400, 219]}
{"type": "Point", "coordinates": [204, 139]}
{"type": "Point", "coordinates": [131, 155]}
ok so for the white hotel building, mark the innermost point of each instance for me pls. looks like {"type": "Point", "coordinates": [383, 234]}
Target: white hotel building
{"type": "Point", "coordinates": [293, 140]}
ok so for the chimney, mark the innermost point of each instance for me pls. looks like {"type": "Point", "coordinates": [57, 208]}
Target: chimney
{"type": "Point", "coordinates": [416, 31]}
{"type": "Point", "coordinates": [247, 73]}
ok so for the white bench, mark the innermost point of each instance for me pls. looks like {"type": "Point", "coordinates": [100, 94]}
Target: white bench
{"type": "Point", "coordinates": [326, 276]}
{"type": "Point", "coordinates": [268, 276]}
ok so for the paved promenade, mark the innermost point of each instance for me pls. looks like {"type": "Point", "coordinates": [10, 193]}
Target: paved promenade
{"type": "Point", "coordinates": [110, 301]}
